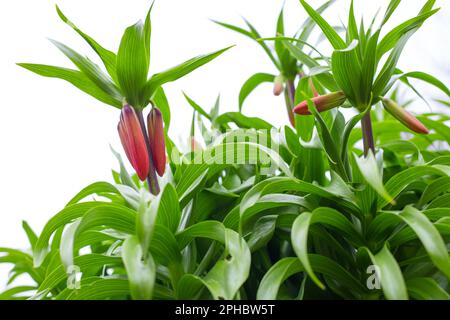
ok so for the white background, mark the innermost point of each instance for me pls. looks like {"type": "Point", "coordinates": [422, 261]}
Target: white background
{"type": "Point", "coordinates": [54, 139]}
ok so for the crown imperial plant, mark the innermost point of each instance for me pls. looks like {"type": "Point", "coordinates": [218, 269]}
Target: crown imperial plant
{"type": "Point", "coordinates": [305, 211]}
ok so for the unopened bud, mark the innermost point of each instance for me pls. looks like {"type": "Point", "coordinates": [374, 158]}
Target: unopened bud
{"type": "Point", "coordinates": [404, 116]}
{"type": "Point", "coordinates": [133, 141]}
{"type": "Point", "coordinates": [157, 142]}
{"type": "Point", "coordinates": [322, 103]}
{"type": "Point", "coordinates": [278, 85]}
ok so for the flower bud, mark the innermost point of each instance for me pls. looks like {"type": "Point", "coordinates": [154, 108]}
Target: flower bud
{"type": "Point", "coordinates": [133, 141]}
{"type": "Point", "coordinates": [156, 138]}
{"type": "Point", "coordinates": [278, 85]}
{"type": "Point", "coordinates": [404, 116]}
{"type": "Point", "coordinates": [322, 103]}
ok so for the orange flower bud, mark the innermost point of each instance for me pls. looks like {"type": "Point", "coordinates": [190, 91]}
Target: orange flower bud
{"type": "Point", "coordinates": [404, 116]}
{"type": "Point", "coordinates": [133, 141]}
{"type": "Point", "coordinates": [322, 103]}
{"type": "Point", "coordinates": [156, 138]}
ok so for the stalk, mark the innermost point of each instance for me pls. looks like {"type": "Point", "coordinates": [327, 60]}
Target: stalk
{"type": "Point", "coordinates": [289, 95]}
{"type": "Point", "coordinates": [152, 180]}
{"type": "Point", "coordinates": [367, 134]}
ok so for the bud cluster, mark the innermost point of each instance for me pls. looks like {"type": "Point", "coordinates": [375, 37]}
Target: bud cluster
{"type": "Point", "coordinates": [145, 149]}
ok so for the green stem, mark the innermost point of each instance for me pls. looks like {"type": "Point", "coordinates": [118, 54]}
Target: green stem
{"type": "Point", "coordinates": [289, 95]}
{"type": "Point", "coordinates": [152, 180]}
{"type": "Point", "coordinates": [367, 134]}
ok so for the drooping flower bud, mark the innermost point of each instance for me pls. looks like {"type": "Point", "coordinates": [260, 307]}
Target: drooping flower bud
{"type": "Point", "coordinates": [278, 85]}
{"type": "Point", "coordinates": [156, 137]}
{"type": "Point", "coordinates": [404, 116]}
{"type": "Point", "coordinates": [133, 141]}
{"type": "Point", "coordinates": [322, 103]}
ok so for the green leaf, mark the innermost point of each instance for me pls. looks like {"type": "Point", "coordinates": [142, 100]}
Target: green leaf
{"type": "Point", "coordinates": [145, 221]}
{"type": "Point", "coordinates": [300, 55]}
{"type": "Point", "coordinates": [148, 31]}
{"type": "Point", "coordinates": [168, 208]}
{"type": "Point", "coordinates": [347, 72]}
{"type": "Point", "coordinates": [214, 230]}
{"type": "Point", "coordinates": [383, 81]}
{"type": "Point", "coordinates": [331, 34]}
{"type": "Point", "coordinates": [262, 232]}
{"type": "Point", "coordinates": [252, 34]}
{"type": "Point", "coordinates": [330, 144]}
{"type": "Point", "coordinates": [133, 64]}
{"type": "Point", "coordinates": [242, 121]}
{"type": "Point", "coordinates": [426, 289]}
{"type": "Point", "coordinates": [75, 77]}
{"type": "Point", "coordinates": [309, 24]}
{"type": "Point", "coordinates": [67, 215]}
{"type": "Point", "coordinates": [32, 237]}
{"type": "Point", "coordinates": [352, 28]}
{"type": "Point", "coordinates": [250, 85]}
{"type": "Point", "coordinates": [10, 294]}
{"type": "Point", "coordinates": [101, 289]}
{"type": "Point", "coordinates": [428, 79]}
{"type": "Point", "coordinates": [429, 236]}
{"type": "Point", "coordinates": [98, 188]}
{"type": "Point", "coordinates": [369, 170]}
{"type": "Point", "coordinates": [106, 215]}
{"type": "Point", "coordinates": [125, 177]}
{"type": "Point", "coordinates": [434, 189]}
{"type": "Point", "coordinates": [438, 126]}
{"type": "Point", "coordinates": [401, 180]}
{"type": "Point", "coordinates": [141, 269]}
{"type": "Point", "coordinates": [66, 247]}
{"type": "Point", "coordinates": [389, 275]}
{"type": "Point", "coordinates": [286, 267]}
{"type": "Point", "coordinates": [192, 177]}
{"type": "Point", "coordinates": [177, 72]}
{"type": "Point", "coordinates": [227, 276]}
{"type": "Point", "coordinates": [391, 39]}
{"type": "Point", "coordinates": [325, 216]}
{"type": "Point", "coordinates": [108, 57]}
{"type": "Point", "coordinates": [393, 4]}
{"type": "Point", "coordinates": [196, 107]}
{"type": "Point", "coordinates": [84, 262]}
{"type": "Point", "coordinates": [279, 48]}
{"type": "Point", "coordinates": [91, 70]}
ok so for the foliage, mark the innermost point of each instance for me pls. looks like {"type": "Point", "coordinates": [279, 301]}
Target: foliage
{"type": "Point", "coordinates": [324, 222]}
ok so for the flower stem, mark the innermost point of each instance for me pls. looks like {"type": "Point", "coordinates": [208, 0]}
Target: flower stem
{"type": "Point", "coordinates": [152, 180]}
{"type": "Point", "coordinates": [289, 94]}
{"type": "Point", "coordinates": [367, 134]}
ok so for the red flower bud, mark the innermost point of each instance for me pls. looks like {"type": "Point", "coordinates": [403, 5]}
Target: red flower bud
{"type": "Point", "coordinates": [156, 137]}
{"type": "Point", "coordinates": [278, 85]}
{"type": "Point", "coordinates": [404, 116]}
{"type": "Point", "coordinates": [322, 103]}
{"type": "Point", "coordinates": [133, 141]}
